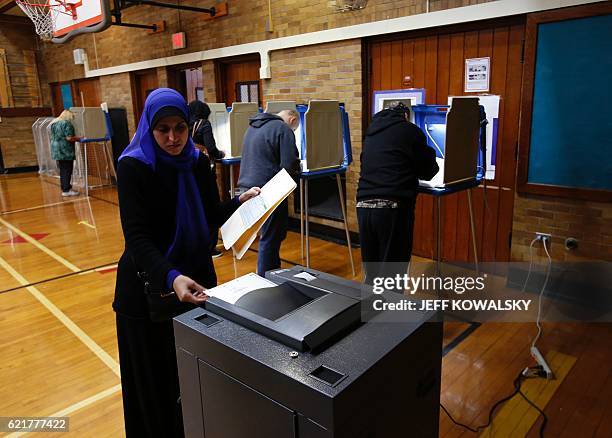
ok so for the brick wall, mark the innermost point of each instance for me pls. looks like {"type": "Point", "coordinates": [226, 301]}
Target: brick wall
{"type": "Point", "coordinates": [117, 92]}
{"type": "Point", "coordinates": [245, 23]}
{"type": "Point", "coordinates": [17, 142]}
{"type": "Point", "coordinates": [208, 81]}
{"type": "Point", "coordinates": [588, 222]}
{"type": "Point", "coordinates": [16, 139]}
{"type": "Point", "coordinates": [19, 43]}
{"type": "Point", "coordinates": [326, 71]}
{"type": "Point", "coordinates": [162, 76]}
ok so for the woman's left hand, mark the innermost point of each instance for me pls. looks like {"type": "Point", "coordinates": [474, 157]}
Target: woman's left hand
{"type": "Point", "coordinates": [251, 193]}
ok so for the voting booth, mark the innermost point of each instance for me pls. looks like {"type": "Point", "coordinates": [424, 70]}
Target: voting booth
{"type": "Point", "coordinates": [325, 135]}
{"type": "Point", "coordinates": [454, 133]}
{"type": "Point", "coordinates": [90, 123]}
{"type": "Point", "coordinates": [294, 359]}
{"type": "Point", "coordinates": [322, 138]}
{"type": "Point", "coordinates": [229, 126]}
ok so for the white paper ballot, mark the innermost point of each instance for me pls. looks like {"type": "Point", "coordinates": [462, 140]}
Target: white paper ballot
{"type": "Point", "coordinates": [233, 290]}
{"type": "Point", "coordinates": [240, 230]}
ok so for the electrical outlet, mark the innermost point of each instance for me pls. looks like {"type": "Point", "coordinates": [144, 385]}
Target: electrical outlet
{"type": "Point", "coordinates": [545, 237]}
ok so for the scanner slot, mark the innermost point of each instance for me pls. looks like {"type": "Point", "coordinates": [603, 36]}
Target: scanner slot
{"type": "Point", "coordinates": [327, 375]}
{"type": "Point", "coordinates": [207, 320]}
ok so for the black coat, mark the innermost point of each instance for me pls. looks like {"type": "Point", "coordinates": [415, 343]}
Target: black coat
{"type": "Point", "coordinates": [147, 204]}
{"type": "Point", "coordinates": [204, 136]}
{"type": "Point", "coordinates": [394, 157]}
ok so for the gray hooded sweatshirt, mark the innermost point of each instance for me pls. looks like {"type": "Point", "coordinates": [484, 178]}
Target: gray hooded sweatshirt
{"type": "Point", "coordinates": [268, 147]}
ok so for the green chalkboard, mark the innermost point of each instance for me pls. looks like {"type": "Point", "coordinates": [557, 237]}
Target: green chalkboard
{"type": "Point", "coordinates": [571, 129]}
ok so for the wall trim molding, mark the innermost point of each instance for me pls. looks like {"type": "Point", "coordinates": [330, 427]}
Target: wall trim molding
{"type": "Point", "coordinates": [483, 11]}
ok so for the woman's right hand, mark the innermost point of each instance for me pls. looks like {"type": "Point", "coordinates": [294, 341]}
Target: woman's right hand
{"type": "Point", "coordinates": [188, 291]}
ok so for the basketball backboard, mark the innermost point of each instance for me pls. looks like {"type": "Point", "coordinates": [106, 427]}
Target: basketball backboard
{"type": "Point", "coordinates": [60, 20]}
{"type": "Point", "coordinates": [82, 16]}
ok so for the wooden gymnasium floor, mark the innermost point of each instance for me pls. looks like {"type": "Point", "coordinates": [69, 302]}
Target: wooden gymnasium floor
{"type": "Point", "coordinates": [59, 354]}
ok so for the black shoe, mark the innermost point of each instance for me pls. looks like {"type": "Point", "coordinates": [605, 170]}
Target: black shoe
{"type": "Point", "coordinates": [215, 253]}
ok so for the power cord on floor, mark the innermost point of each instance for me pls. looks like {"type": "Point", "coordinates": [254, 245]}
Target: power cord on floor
{"type": "Point", "coordinates": [539, 317]}
{"type": "Point", "coordinates": [527, 373]}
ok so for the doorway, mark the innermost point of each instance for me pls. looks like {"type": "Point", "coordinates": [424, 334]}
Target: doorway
{"type": "Point", "coordinates": [143, 83]}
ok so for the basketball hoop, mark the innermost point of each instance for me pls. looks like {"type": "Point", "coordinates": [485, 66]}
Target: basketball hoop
{"type": "Point", "coordinates": [43, 15]}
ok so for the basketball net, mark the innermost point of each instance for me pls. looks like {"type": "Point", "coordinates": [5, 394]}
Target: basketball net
{"type": "Point", "coordinates": [43, 15]}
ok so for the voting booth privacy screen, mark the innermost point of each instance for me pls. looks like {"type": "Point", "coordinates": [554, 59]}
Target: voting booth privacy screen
{"type": "Point", "coordinates": [463, 134]}
{"type": "Point", "coordinates": [90, 123]}
{"type": "Point", "coordinates": [322, 138]}
{"type": "Point", "coordinates": [454, 132]}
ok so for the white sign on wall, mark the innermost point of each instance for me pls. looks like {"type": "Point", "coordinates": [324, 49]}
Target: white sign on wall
{"type": "Point", "coordinates": [477, 74]}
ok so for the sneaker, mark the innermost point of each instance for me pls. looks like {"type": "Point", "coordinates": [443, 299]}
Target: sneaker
{"type": "Point", "coordinates": [70, 193]}
{"type": "Point", "coordinates": [216, 253]}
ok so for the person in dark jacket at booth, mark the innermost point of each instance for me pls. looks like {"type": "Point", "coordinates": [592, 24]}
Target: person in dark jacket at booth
{"type": "Point", "coordinates": [395, 155]}
{"type": "Point", "coordinates": [269, 146]}
{"type": "Point", "coordinates": [168, 199]}
{"type": "Point", "coordinates": [202, 132]}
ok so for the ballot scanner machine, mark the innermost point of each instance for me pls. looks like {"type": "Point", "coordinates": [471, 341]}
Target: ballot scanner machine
{"type": "Point", "coordinates": [299, 361]}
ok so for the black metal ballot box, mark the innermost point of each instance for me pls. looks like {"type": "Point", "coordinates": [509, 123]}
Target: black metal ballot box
{"type": "Point", "coordinates": [299, 362]}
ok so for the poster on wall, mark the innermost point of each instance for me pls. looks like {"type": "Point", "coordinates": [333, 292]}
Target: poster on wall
{"type": "Point", "coordinates": [412, 96]}
{"type": "Point", "coordinates": [477, 74]}
{"type": "Point", "coordinates": [66, 91]}
{"type": "Point", "coordinates": [490, 103]}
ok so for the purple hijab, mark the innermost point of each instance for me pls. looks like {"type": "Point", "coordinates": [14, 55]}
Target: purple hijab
{"type": "Point", "coordinates": [191, 237]}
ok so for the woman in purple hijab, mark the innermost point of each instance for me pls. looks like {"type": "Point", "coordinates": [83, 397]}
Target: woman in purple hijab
{"type": "Point", "coordinates": [168, 199]}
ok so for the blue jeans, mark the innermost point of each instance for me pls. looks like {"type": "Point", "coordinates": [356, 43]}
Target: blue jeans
{"type": "Point", "coordinates": [273, 232]}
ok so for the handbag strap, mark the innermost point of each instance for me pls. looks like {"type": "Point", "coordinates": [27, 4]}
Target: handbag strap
{"type": "Point", "coordinates": [195, 128]}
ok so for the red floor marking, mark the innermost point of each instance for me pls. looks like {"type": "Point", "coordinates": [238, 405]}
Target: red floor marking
{"type": "Point", "coordinates": [106, 271]}
{"type": "Point", "coordinates": [19, 239]}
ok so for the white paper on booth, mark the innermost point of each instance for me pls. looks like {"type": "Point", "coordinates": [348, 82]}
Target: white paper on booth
{"type": "Point", "coordinates": [249, 213]}
{"type": "Point", "coordinates": [233, 290]}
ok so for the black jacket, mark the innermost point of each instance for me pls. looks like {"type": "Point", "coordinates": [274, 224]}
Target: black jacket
{"type": "Point", "coordinates": [268, 147]}
{"type": "Point", "coordinates": [394, 157]}
{"type": "Point", "coordinates": [147, 204]}
{"type": "Point", "coordinates": [204, 136]}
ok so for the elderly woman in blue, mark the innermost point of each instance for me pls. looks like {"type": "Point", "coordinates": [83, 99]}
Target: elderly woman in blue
{"type": "Point", "coordinates": [168, 199]}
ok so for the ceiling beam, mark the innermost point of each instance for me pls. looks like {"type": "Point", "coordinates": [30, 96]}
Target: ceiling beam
{"type": "Point", "coordinates": [15, 19]}
{"type": "Point", "coordinates": [6, 5]}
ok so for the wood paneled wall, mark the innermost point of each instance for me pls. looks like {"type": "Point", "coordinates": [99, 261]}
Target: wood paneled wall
{"type": "Point", "coordinates": [435, 60]}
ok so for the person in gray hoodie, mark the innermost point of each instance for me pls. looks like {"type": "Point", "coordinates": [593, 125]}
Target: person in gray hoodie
{"type": "Point", "coordinates": [269, 146]}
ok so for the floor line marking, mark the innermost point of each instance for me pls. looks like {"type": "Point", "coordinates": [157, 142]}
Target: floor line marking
{"type": "Point", "coordinates": [38, 207]}
{"type": "Point", "coordinates": [63, 318]}
{"type": "Point", "coordinates": [78, 406]}
{"type": "Point", "coordinates": [60, 277]}
{"type": "Point", "coordinates": [40, 246]}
